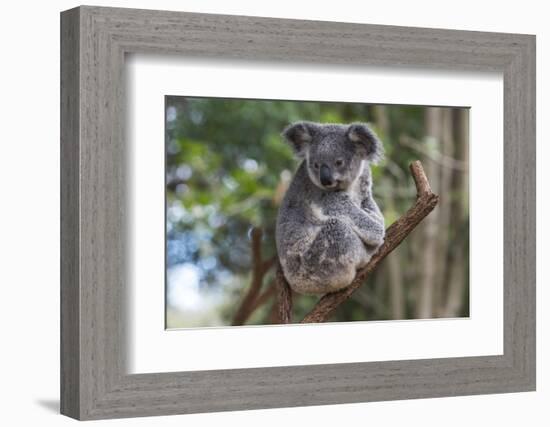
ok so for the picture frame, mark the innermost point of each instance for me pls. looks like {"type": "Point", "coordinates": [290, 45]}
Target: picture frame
{"type": "Point", "coordinates": [94, 381]}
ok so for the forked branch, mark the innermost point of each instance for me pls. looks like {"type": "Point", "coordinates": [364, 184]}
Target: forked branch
{"type": "Point", "coordinates": [425, 203]}
{"type": "Point", "coordinates": [253, 298]}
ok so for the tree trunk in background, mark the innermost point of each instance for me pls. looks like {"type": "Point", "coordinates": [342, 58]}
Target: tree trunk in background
{"type": "Point", "coordinates": [447, 150]}
{"type": "Point", "coordinates": [394, 270]}
{"type": "Point", "coordinates": [397, 299]}
{"type": "Point", "coordinates": [425, 296]}
{"type": "Point", "coordinates": [460, 211]}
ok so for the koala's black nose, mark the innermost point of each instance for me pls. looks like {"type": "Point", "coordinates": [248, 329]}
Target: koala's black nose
{"type": "Point", "coordinates": [325, 175]}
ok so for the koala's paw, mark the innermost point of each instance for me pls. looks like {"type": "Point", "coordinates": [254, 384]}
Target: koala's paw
{"type": "Point", "coordinates": [380, 240]}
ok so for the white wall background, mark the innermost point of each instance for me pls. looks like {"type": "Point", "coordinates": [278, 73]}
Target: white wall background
{"type": "Point", "coordinates": [29, 212]}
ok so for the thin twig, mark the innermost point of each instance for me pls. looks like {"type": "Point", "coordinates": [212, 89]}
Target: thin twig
{"type": "Point", "coordinates": [425, 203]}
{"type": "Point", "coordinates": [268, 263]}
{"type": "Point", "coordinates": [264, 296]}
{"type": "Point", "coordinates": [436, 156]}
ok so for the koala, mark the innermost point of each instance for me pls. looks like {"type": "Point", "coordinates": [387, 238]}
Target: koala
{"type": "Point", "coordinates": [328, 224]}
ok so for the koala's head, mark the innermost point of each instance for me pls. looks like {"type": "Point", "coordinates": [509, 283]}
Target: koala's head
{"type": "Point", "coordinates": [335, 154]}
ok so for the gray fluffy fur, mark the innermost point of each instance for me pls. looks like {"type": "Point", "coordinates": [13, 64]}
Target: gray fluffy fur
{"type": "Point", "coordinates": [329, 225]}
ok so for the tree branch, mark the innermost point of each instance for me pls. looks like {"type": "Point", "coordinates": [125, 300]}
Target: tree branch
{"type": "Point", "coordinates": [259, 269]}
{"type": "Point", "coordinates": [425, 203]}
{"type": "Point", "coordinates": [284, 297]}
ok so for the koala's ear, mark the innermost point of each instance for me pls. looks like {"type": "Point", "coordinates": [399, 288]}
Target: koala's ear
{"type": "Point", "coordinates": [362, 135]}
{"type": "Point", "coordinates": [299, 135]}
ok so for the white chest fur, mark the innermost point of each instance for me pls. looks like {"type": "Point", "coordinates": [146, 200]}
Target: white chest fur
{"type": "Point", "coordinates": [354, 189]}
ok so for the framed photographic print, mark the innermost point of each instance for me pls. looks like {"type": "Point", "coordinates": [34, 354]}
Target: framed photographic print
{"type": "Point", "coordinates": [263, 213]}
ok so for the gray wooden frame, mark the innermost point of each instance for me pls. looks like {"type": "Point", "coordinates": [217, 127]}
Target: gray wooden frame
{"type": "Point", "coordinates": [94, 382]}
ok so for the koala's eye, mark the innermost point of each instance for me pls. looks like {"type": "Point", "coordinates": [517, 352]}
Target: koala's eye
{"type": "Point", "coordinates": [339, 162]}
{"type": "Point", "coordinates": [316, 165]}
